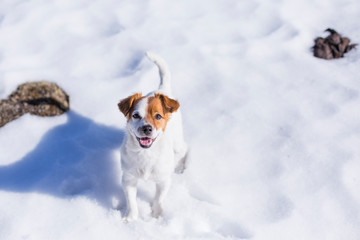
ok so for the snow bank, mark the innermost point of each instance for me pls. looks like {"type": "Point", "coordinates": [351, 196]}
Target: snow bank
{"type": "Point", "coordinates": [274, 132]}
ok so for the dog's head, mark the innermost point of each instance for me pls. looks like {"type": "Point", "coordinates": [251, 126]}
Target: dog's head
{"type": "Point", "coordinates": [147, 116]}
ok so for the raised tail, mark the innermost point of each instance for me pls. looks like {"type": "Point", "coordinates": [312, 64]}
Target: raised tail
{"type": "Point", "coordinates": [165, 76]}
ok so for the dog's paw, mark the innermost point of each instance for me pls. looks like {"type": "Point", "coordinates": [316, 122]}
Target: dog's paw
{"type": "Point", "coordinates": [180, 168]}
{"type": "Point", "coordinates": [156, 210]}
{"type": "Point", "coordinates": [130, 217]}
{"type": "Point", "coordinates": [127, 220]}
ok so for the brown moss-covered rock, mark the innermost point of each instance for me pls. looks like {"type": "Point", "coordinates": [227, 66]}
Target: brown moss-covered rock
{"type": "Point", "coordinates": [37, 98]}
{"type": "Point", "coordinates": [10, 111]}
{"type": "Point", "coordinates": [42, 98]}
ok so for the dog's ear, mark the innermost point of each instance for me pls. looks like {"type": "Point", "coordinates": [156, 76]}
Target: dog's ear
{"type": "Point", "coordinates": [128, 103]}
{"type": "Point", "coordinates": [170, 105]}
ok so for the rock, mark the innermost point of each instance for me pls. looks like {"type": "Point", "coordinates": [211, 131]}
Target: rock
{"type": "Point", "coordinates": [322, 49]}
{"type": "Point", "coordinates": [333, 46]}
{"type": "Point", "coordinates": [37, 98]}
{"type": "Point", "coordinates": [10, 111]}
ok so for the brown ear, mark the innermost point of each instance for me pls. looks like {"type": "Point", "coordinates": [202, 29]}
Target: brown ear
{"type": "Point", "coordinates": [128, 103]}
{"type": "Point", "coordinates": [170, 105]}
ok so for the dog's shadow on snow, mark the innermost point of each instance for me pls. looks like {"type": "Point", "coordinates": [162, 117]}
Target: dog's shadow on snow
{"type": "Point", "coordinates": [76, 158]}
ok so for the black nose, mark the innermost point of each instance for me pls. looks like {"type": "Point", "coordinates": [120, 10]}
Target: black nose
{"type": "Point", "coordinates": [147, 129]}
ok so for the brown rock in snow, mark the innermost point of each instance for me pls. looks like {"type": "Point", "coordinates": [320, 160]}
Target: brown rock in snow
{"type": "Point", "coordinates": [37, 98]}
{"type": "Point", "coordinates": [333, 46]}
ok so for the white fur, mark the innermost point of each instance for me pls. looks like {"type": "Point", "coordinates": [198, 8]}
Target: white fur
{"type": "Point", "coordinates": [158, 162]}
{"type": "Point", "coordinates": [165, 76]}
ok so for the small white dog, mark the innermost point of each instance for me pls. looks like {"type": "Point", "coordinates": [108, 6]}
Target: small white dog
{"type": "Point", "coordinates": [154, 142]}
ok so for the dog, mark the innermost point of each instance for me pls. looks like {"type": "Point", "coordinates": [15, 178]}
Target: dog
{"type": "Point", "coordinates": [154, 145]}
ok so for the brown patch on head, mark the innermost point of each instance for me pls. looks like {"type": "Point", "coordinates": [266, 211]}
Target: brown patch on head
{"type": "Point", "coordinates": [128, 104]}
{"type": "Point", "coordinates": [163, 106]}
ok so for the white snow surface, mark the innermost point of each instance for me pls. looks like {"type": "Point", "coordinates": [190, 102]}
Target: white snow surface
{"type": "Point", "coordinates": [274, 132]}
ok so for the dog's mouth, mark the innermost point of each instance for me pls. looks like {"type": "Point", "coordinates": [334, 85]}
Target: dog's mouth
{"type": "Point", "coordinates": [146, 142]}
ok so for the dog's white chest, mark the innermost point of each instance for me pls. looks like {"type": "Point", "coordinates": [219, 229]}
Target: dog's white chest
{"type": "Point", "coordinates": [145, 173]}
{"type": "Point", "coordinates": [148, 164]}
{"type": "Point", "coordinates": [145, 165]}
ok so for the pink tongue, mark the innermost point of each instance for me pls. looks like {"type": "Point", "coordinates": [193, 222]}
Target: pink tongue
{"type": "Point", "coordinates": [145, 141]}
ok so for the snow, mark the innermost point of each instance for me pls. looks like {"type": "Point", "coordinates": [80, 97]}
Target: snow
{"type": "Point", "coordinates": [273, 131]}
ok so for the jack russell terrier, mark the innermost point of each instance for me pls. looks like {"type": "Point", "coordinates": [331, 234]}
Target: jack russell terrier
{"type": "Point", "coordinates": [154, 145]}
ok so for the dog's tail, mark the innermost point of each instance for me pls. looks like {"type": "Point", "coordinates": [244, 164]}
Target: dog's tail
{"type": "Point", "coordinates": [165, 76]}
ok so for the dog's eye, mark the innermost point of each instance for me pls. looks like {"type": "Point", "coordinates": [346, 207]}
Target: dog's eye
{"type": "Point", "coordinates": [136, 116]}
{"type": "Point", "coordinates": [158, 117]}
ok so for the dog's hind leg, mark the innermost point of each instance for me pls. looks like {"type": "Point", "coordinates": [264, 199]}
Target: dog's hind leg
{"type": "Point", "coordinates": [183, 161]}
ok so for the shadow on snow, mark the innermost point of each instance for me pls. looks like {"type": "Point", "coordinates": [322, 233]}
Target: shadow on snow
{"type": "Point", "coordinates": [76, 158]}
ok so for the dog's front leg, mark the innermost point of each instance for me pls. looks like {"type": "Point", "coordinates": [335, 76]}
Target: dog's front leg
{"type": "Point", "coordinates": [161, 190]}
{"type": "Point", "coordinates": [130, 189]}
